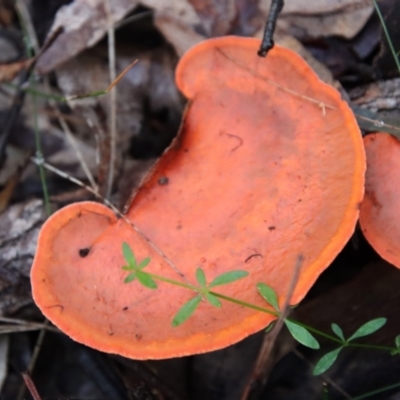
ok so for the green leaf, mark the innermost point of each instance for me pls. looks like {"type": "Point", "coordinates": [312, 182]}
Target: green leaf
{"type": "Point", "coordinates": [146, 280]}
{"type": "Point", "coordinates": [128, 254]}
{"type": "Point", "coordinates": [368, 328]}
{"type": "Point", "coordinates": [228, 277]}
{"type": "Point", "coordinates": [127, 268]}
{"type": "Point", "coordinates": [268, 294]}
{"type": "Point", "coordinates": [302, 335]}
{"type": "Point", "coordinates": [326, 361]}
{"type": "Point", "coordinates": [186, 311]}
{"type": "Point", "coordinates": [397, 341]}
{"type": "Point", "coordinates": [337, 330]}
{"type": "Point", "coordinates": [130, 278]}
{"type": "Point", "coordinates": [144, 263]}
{"type": "Point", "coordinates": [200, 276]}
{"type": "Point", "coordinates": [213, 300]}
{"type": "Point", "coordinates": [394, 352]}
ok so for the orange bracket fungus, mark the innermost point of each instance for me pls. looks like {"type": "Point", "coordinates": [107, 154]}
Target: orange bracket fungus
{"type": "Point", "coordinates": [379, 214]}
{"type": "Point", "coordinates": [268, 167]}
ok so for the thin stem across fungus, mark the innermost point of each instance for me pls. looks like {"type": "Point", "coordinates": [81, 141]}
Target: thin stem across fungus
{"type": "Point", "coordinates": [300, 332]}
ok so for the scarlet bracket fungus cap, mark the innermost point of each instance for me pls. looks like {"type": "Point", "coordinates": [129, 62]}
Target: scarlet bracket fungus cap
{"type": "Point", "coordinates": [268, 166]}
{"type": "Point", "coordinates": [379, 214]}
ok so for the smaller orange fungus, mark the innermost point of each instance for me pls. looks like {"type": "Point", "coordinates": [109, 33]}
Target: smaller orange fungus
{"type": "Point", "coordinates": [268, 166]}
{"type": "Point", "coordinates": [379, 214]}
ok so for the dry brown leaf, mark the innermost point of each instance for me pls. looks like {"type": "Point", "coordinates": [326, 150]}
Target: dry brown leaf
{"type": "Point", "coordinates": [9, 71]}
{"type": "Point", "coordinates": [83, 24]}
{"type": "Point", "coordinates": [182, 22]}
{"type": "Point", "coordinates": [19, 227]}
{"type": "Point", "coordinates": [378, 96]}
{"type": "Point", "coordinates": [324, 17]}
{"type": "Point", "coordinates": [305, 7]}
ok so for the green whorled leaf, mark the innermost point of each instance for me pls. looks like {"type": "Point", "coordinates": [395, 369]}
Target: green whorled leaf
{"type": "Point", "coordinates": [337, 330]}
{"type": "Point", "coordinates": [228, 277]}
{"type": "Point", "coordinates": [128, 254]}
{"type": "Point", "coordinates": [130, 278]}
{"type": "Point", "coordinates": [302, 335]}
{"type": "Point", "coordinates": [397, 341]}
{"type": "Point", "coordinates": [213, 300]}
{"type": "Point", "coordinates": [395, 352]}
{"type": "Point", "coordinates": [268, 294]}
{"type": "Point", "coordinates": [368, 328]}
{"type": "Point", "coordinates": [201, 277]}
{"type": "Point", "coordinates": [146, 280]}
{"type": "Point", "coordinates": [326, 361]}
{"type": "Point", "coordinates": [269, 327]}
{"type": "Point", "coordinates": [186, 311]}
{"type": "Point", "coordinates": [127, 268]}
{"type": "Point", "coordinates": [144, 263]}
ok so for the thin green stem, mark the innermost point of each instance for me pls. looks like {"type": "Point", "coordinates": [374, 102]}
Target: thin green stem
{"type": "Point", "coordinates": [370, 346]}
{"type": "Point", "coordinates": [173, 282]}
{"type": "Point", "coordinates": [39, 154]}
{"type": "Point", "coordinates": [201, 291]}
{"type": "Point", "coordinates": [392, 49]}
{"type": "Point", "coordinates": [38, 93]}
{"type": "Point", "coordinates": [374, 392]}
{"type": "Point", "coordinates": [244, 304]}
{"type": "Point", "coordinates": [221, 296]}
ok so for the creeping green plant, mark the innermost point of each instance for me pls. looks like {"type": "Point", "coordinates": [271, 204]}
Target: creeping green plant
{"type": "Point", "coordinates": [204, 291]}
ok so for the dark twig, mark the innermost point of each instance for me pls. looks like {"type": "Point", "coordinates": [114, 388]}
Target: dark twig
{"type": "Point", "coordinates": [267, 41]}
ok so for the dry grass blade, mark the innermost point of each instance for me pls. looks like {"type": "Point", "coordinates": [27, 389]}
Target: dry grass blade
{"type": "Point", "coordinates": [113, 100]}
{"type": "Point", "coordinates": [12, 325]}
{"type": "Point", "coordinates": [31, 387]}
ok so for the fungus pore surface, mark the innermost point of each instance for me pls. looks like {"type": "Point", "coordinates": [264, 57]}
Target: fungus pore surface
{"type": "Point", "coordinates": [268, 166]}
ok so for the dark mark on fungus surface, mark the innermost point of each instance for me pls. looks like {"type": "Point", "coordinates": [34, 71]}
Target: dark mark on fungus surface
{"type": "Point", "coordinates": [163, 180]}
{"type": "Point", "coordinates": [253, 255]}
{"type": "Point", "coordinates": [84, 252]}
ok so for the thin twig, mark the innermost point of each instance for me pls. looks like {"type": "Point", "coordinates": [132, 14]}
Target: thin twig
{"type": "Point", "coordinates": [49, 167]}
{"type": "Point", "coordinates": [31, 386]}
{"type": "Point", "coordinates": [267, 42]}
{"type": "Point", "coordinates": [113, 99]}
{"type": "Point", "coordinates": [270, 337]}
{"type": "Point", "coordinates": [32, 363]}
{"type": "Point", "coordinates": [323, 376]}
{"type": "Point", "coordinates": [74, 145]}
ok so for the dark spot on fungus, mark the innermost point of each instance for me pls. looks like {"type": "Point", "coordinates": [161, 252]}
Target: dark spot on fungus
{"type": "Point", "coordinates": [138, 336]}
{"type": "Point", "coordinates": [299, 200]}
{"type": "Point", "coordinates": [238, 138]}
{"type": "Point", "coordinates": [179, 227]}
{"type": "Point", "coordinates": [253, 255]}
{"type": "Point", "coordinates": [271, 228]}
{"type": "Point", "coordinates": [57, 305]}
{"type": "Point", "coordinates": [84, 252]}
{"type": "Point", "coordinates": [125, 308]}
{"type": "Point", "coordinates": [163, 180]}
{"type": "Point", "coordinates": [203, 259]}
